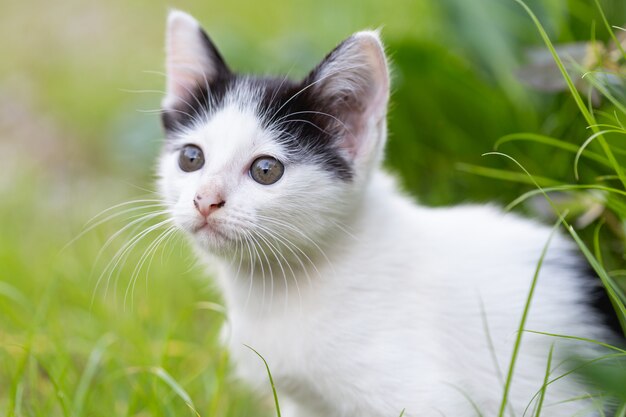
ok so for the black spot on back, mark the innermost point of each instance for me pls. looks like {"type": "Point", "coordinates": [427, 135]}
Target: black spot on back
{"type": "Point", "coordinates": [601, 303]}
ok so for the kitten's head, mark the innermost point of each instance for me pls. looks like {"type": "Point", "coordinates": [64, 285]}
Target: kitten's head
{"type": "Point", "coordinates": [252, 160]}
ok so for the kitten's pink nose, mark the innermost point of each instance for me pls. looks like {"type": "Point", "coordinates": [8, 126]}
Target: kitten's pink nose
{"type": "Point", "coordinates": [208, 204]}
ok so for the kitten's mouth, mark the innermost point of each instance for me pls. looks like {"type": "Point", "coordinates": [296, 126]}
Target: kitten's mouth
{"type": "Point", "coordinates": [207, 227]}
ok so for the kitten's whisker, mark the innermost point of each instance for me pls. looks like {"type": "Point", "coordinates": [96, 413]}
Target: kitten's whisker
{"type": "Point", "coordinates": [275, 93]}
{"type": "Point", "coordinates": [160, 111]}
{"type": "Point", "coordinates": [341, 227]}
{"type": "Point", "coordinates": [240, 248]}
{"type": "Point", "coordinates": [147, 190]}
{"type": "Point", "coordinates": [125, 203]}
{"type": "Point", "coordinates": [137, 269]}
{"type": "Point", "coordinates": [298, 231]}
{"type": "Point", "coordinates": [252, 268]}
{"type": "Point", "coordinates": [114, 262]}
{"type": "Point", "coordinates": [205, 108]}
{"type": "Point", "coordinates": [126, 247]}
{"type": "Point", "coordinates": [195, 97]}
{"type": "Point", "coordinates": [252, 263]}
{"type": "Point", "coordinates": [170, 238]}
{"type": "Point", "coordinates": [120, 213]}
{"type": "Point", "coordinates": [180, 84]}
{"type": "Point", "coordinates": [89, 228]}
{"type": "Point", "coordinates": [288, 244]}
{"type": "Point", "coordinates": [142, 218]}
{"type": "Point", "coordinates": [293, 273]}
{"type": "Point", "coordinates": [126, 90]}
{"type": "Point", "coordinates": [257, 247]}
{"type": "Point", "coordinates": [276, 253]}
{"type": "Point", "coordinates": [152, 111]}
{"type": "Point", "coordinates": [276, 237]}
{"type": "Point", "coordinates": [149, 252]}
{"type": "Point", "coordinates": [315, 112]}
{"type": "Point", "coordinates": [159, 241]}
{"type": "Point", "coordinates": [123, 258]}
{"type": "Point", "coordinates": [208, 93]}
{"type": "Point", "coordinates": [303, 121]}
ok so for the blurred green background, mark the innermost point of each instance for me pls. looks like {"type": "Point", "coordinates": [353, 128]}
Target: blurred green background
{"type": "Point", "coordinates": [79, 87]}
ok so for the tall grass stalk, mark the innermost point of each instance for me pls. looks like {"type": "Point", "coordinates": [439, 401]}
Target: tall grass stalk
{"type": "Point", "coordinates": [522, 322]}
{"type": "Point", "coordinates": [588, 115]}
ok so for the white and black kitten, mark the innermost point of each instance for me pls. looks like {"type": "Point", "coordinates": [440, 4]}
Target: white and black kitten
{"type": "Point", "coordinates": [362, 302]}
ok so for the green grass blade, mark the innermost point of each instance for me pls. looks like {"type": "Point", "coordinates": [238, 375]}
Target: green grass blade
{"type": "Point", "coordinates": [490, 345]}
{"type": "Point", "coordinates": [550, 141]}
{"type": "Point", "coordinates": [564, 187]}
{"type": "Point", "coordinates": [168, 380]}
{"type": "Point", "coordinates": [591, 121]}
{"type": "Point", "coordinates": [596, 241]}
{"type": "Point", "coordinates": [609, 29]}
{"type": "Point", "coordinates": [580, 339]}
{"type": "Point", "coordinates": [12, 293]}
{"type": "Point", "coordinates": [90, 370]}
{"type": "Point", "coordinates": [175, 386]}
{"type": "Point", "coordinates": [544, 386]}
{"type": "Point", "coordinates": [502, 174]}
{"type": "Point", "coordinates": [609, 284]}
{"type": "Point", "coordinates": [60, 395]}
{"type": "Point", "coordinates": [269, 374]}
{"type": "Point", "coordinates": [575, 370]}
{"type": "Point", "coordinates": [17, 387]}
{"type": "Point", "coordinates": [601, 87]}
{"type": "Point", "coordinates": [468, 398]}
{"type": "Point", "coordinates": [587, 142]}
{"type": "Point", "coordinates": [522, 323]}
{"type": "Point", "coordinates": [220, 374]}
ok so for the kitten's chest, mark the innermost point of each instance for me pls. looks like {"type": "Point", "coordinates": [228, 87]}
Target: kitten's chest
{"type": "Point", "coordinates": [285, 342]}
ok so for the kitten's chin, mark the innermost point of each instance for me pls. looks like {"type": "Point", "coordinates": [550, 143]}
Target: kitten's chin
{"type": "Point", "coordinates": [211, 237]}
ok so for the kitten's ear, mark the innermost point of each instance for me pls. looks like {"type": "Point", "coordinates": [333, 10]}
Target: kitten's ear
{"type": "Point", "coordinates": [192, 60]}
{"type": "Point", "coordinates": [353, 83]}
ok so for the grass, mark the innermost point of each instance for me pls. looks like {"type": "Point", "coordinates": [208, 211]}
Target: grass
{"type": "Point", "coordinates": [522, 326]}
{"type": "Point", "coordinates": [72, 144]}
{"type": "Point", "coordinates": [616, 293]}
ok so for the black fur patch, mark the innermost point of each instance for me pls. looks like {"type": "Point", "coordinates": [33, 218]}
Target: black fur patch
{"type": "Point", "coordinates": [310, 131]}
{"type": "Point", "coordinates": [601, 303]}
{"type": "Point", "coordinates": [310, 128]}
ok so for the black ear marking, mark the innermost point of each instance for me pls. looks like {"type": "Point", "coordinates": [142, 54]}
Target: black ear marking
{"type": "Point", "coordinates": [215, 55]}
{"type": "Point", "coordinates": [353, 80]}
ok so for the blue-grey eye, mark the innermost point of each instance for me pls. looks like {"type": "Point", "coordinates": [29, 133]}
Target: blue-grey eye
{"type": "Point", "coordinates": [266, 170]}
{"type": "Point", "coordinates": [190, 158]}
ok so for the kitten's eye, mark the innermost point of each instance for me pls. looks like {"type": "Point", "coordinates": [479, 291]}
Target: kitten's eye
{"type": "Point", "coordinates": [191, 158]}
{"type": "Point", "coordinates": [266, 170]}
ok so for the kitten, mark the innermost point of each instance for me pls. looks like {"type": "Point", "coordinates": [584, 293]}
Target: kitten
{"type": "Point", "coordinates": [362, 302]}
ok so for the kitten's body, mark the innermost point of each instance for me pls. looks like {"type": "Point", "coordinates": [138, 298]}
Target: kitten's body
{"type": "Point", "coordinates": [362, 303]}
{"type": "Point", "coordinates": [404, 312]}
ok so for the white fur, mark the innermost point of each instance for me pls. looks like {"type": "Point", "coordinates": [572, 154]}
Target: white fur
{"type": "Point", "coordinates": [362, 302]}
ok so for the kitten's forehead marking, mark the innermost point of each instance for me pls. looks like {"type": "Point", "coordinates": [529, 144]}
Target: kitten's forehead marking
{"type": "Point", "coordinates": [233, 132]}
